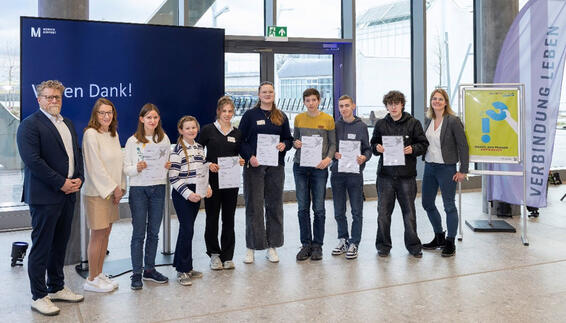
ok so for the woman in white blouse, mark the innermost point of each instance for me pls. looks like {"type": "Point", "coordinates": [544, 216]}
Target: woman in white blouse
{"type": "Point", "coordinates": [447, 146]}
{"type": "Point", "coordinates": [104, 186]}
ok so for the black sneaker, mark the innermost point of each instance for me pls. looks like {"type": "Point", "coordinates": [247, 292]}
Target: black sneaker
{"type": "Point", "coordinates": [450, 248]}
{"type": "Point", "coordinates": [154, 276]}
{"type": "Point", "coordinates": [136, 281]}
{"type": "Point", "coordinates": [438, 242]}
{"type": "Point", "coordinates": [304, 253]}
{"type": "Point", "coordinates": [382, 253]}
{"type": "Point", "coordinates": [418, 254]}
{"type": "Point", "coordinates": [316, 252]}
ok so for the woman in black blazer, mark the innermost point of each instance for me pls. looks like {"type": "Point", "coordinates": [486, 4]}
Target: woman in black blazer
{"type": "Point", "coordinates": [447, 146]}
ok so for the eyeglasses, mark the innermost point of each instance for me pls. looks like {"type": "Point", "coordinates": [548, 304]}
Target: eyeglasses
{"type": "Point", "coordinates": [51, 97]}
{"type": "Point", "coordinates": [105, 113]}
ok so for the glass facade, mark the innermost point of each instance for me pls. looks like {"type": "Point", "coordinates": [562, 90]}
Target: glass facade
{"type": "Point", "coordinates": [312, 19]}
{"type": "Point", "coordinates": [383, 60]}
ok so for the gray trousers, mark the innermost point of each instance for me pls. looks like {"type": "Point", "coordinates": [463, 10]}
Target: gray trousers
{"type": "Point", "coordinates": [263, 185]}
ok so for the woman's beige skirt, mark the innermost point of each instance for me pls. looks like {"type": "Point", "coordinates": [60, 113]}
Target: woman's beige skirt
{"type": "Point", "coordinates": [100, 212]}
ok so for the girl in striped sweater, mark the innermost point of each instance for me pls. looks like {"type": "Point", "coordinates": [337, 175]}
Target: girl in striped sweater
{"type": "Point", "coordinates": [187, 161]}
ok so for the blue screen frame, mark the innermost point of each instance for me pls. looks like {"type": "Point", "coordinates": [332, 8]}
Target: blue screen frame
{"type": "Point", "coordinates": [179, 69]}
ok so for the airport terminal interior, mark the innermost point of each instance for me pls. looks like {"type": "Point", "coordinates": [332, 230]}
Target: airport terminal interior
{"type": "Point", "coordinates": [363, 48]}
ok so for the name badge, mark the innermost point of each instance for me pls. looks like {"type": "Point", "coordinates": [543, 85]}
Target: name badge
{"type": "Point", "coordinates": [351, 136]}
{"type": "Point", "coordinates": [231, 139]}
{"type": "Point", "coordinates": [260, 122]}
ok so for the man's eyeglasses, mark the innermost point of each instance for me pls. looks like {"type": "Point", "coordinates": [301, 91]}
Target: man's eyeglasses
{"type": "Point", "coordinates": [52, 97]}
{"type": "Point", "coordinates": [105, 113]}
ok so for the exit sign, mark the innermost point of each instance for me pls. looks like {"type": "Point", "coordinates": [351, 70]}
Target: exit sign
{"type": "Point", "coordinates": [276, 33]}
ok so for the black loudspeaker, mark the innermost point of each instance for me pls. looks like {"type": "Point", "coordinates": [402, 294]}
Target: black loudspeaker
{"type": "Point", "coordinates": [18, 252]}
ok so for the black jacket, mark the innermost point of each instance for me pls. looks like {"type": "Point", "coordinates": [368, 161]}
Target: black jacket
{"type": "Point", "coordinates": [413, 135]}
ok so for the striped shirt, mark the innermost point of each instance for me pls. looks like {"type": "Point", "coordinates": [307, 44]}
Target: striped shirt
{"type": "Point", "coordinates": [182, 174]}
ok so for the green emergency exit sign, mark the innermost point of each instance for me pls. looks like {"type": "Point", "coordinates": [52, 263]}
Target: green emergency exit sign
{"type": "Point", "coordinates": [276, 33]}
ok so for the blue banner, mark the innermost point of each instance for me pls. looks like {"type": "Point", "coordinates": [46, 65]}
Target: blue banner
{"type": "Point", "coordinates": [179, 69]}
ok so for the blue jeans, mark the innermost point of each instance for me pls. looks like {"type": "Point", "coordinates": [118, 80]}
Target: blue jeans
{"type": "Point", "coordinates": [404, 189]}
{"type": "Point", "coordinates": [146, 205]}
{"type": "Point", "coordinates": [435, 176]}
{"type": "Point", "coordinates": [352, 184]}
{"type": "Point", "coordinates": [309, 182]}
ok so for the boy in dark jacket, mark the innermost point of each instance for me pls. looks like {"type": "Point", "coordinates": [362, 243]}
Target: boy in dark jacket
{"type": "Point", "coordinates": [398, 181]}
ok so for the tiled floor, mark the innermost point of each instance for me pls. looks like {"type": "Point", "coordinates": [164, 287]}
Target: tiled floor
{"type": "Point", "coordinates": [492, 278]}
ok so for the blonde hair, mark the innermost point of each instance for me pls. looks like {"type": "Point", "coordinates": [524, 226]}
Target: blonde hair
{"type": "Point", "coordinates": [447, 109]}
{"type": "Point", "coordinates": [180, 139]}
{"type": "Point", "coordinates": [276, 116]}
{"type": "Point", "coordinates": [51, 84]}
{"type": "Point", "coordinates": [221, 103]}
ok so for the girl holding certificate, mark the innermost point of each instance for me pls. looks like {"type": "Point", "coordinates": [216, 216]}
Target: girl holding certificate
{"type": "Point", "coordinates": [448, 146]}
{"type": "Point", "coordinates": [146, 163]}
{"type": "Point", "coordinates": [222, 140]}
{"type": "Point", "coordinates": [263, 182]}
{"type": "Point", "coordinates": [187, 164]}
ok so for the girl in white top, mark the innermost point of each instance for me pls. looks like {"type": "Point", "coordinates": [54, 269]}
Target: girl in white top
{"type": "Point", "coordinates": [147, 191]}
{"type": "Point", "coordinates": [104, 186]}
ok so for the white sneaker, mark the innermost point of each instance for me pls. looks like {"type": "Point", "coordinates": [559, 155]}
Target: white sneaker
{"type": "Point", "coordinates": [66, 295]}
{"type": "Point", "coordinates": [249, 259]}
{"type": "Point", "coordinates": [107, 280]}
{"type": "Point", "coordinates": [215, 262]}
{"type": "Point", "coordinates": [44, 306]}
{"type": "Point", "coordinates": [229, 264]}
{"type": "Point", "coordinates": [341, 248]}
{"type": "Point", "coordinates": [97, 285]}
{"type": "Point", "coordinates": [272, 255]}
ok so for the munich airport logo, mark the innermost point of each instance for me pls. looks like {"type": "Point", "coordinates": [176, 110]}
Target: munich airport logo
{"type": "Point", "coordinates": [37, 32]}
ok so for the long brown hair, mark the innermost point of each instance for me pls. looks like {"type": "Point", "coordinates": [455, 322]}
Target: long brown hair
{"type": "Point", "coordinates": [447, 109]}
{"type": "Point", "coordinates": [276, 117]}
{"type": "Point", "coordinates": [180, 140]}
{"type": "Point", "coordinates": [93, 122]}
{"type": "Point", "coordinates": [158, 134]}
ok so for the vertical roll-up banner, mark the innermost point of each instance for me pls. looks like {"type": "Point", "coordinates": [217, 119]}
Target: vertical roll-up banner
{"type": "Point", "coordinates": [533, 53]}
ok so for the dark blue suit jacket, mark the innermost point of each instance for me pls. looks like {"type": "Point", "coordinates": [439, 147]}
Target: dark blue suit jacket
{"type": "Point", "coordinates": [45, 158]}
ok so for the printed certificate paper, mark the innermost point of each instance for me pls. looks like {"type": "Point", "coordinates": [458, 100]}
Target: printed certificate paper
{"type": "Point", "coordinates": [267, 153]}
{"type": "Point", "coordinates": [311, 151]}
{"type": "Point", "coordinates": [229, 172]}
{"type": "Point", "coordinates": [350, 150]}
{"type": "Point", "coordinates": [155, 156]}
{"type": "Point", "coordinates": [201, 180]}
{"type": "Point", "coordinates": [393, 154]}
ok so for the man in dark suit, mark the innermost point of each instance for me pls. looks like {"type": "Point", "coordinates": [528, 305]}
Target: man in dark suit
{"type": "Point", "coordinates": [53, 174]}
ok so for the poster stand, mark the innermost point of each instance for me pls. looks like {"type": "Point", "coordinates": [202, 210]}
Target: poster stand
{"type": "Point", "coordinates": [491, 225]}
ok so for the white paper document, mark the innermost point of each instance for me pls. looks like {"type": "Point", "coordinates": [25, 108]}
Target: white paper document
{"type": "Point", "coordinates": [393, 154]}
{"type": "Point", "coordinates": [229, 172]}
{"type": "Point", "coordinates": [350, 150]}
{"type": "Point", "coordinates": [201, 180]}
{"type": "Point", "coordinates": [155, 156]}
{"type": "Point", "coordinates": [311, 151]}
{"type": "Point", "coordinates": [267, 153]}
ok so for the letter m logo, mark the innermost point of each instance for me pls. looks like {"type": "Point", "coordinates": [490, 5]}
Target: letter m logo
{"type": "Point", "coordinates": [36, 32]}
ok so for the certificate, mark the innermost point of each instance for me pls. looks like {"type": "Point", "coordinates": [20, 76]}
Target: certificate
{"type": "Point", "coordinates": [201, 180]}
{"type": "Point", "coordinates": [229, 172]}
{"type": "Point", "coordinates": [350, 150]}
{"type": "Point", "coordinates": [393, 154]}
{"type": "Point", "coordinates": [311, 151]}
{"type": "Point", "coordinates": [267, 153]}
{"type": "Point", "coordinates": [155, 156]}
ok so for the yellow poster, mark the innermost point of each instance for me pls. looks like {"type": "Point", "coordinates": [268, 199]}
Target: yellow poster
{"type": "Point", "coordinates": [492, 124]}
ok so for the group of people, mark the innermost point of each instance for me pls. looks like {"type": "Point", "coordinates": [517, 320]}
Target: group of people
{"type": "Point", "coordinates": [56, 169]}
